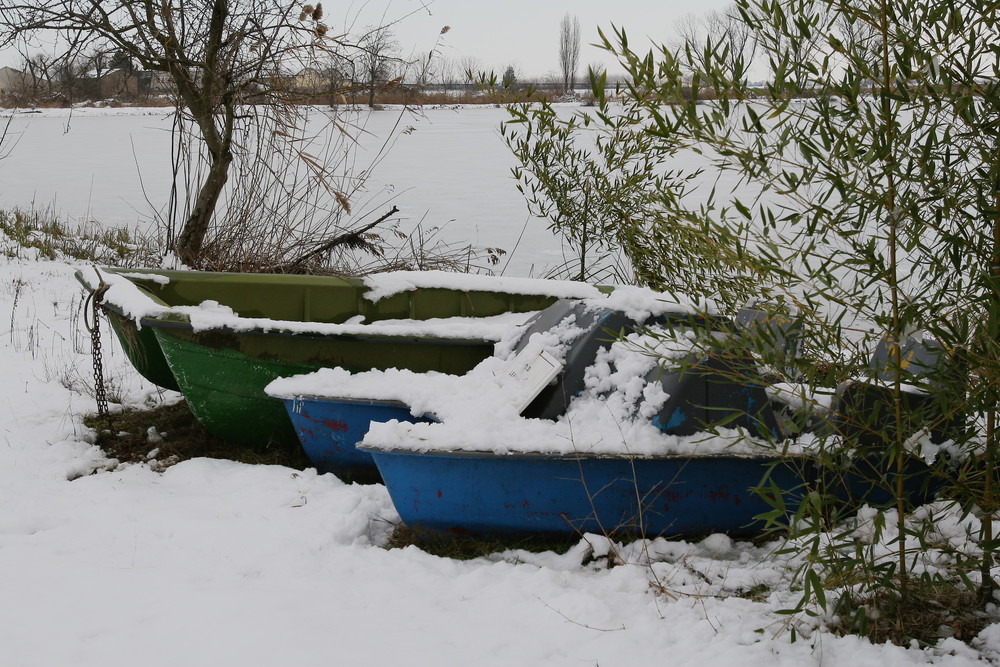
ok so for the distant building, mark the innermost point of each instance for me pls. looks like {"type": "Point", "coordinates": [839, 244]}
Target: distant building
{"type": "Point", "coordinates": [11, 80]}
{"type": "Point", "coordinates": [310, 80]}
{"type": "Point", "coordinates": [155, 83]}
{"type": "Point", "coordinates": [118, 83]}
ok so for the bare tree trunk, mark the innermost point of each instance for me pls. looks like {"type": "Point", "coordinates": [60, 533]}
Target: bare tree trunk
{"type": "Point", "coordinates": [192, 236]}
{"type": "Point", "coordinates": [569, 51]}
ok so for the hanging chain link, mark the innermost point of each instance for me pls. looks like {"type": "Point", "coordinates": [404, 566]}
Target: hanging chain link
{"type": "Point", "coordinates": [93, 308]}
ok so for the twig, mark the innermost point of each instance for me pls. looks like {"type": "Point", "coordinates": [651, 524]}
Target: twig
{"type": "Point", "coordinates": [5, 150]}
{"type": "Point", "coordinates": [582, 625]}
{"type": "Point", "coordinates": [336, 241]}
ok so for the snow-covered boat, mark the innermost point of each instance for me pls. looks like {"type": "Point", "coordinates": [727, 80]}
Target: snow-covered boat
{"type": "Point", "coordinates": [221, 337]}
{"type": "Point", "coordinates": [331, 409]}
{"type": "Point", "coordinates": [483, 493]}
{"type": "Point", "coordinates": [489, 493]}
{"type": "Point", "coordinates": [616, 443]}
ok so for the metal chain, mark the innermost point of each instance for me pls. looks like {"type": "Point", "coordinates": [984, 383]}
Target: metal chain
{"type": "Point", "coordinates": [100, 391]}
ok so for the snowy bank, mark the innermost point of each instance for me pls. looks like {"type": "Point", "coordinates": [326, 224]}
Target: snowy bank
{"type": "Point", "coordinates": [219, 563]}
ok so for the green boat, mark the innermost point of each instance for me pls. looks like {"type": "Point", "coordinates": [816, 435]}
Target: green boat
{"type": "Point", "coordinates": [220, 338]}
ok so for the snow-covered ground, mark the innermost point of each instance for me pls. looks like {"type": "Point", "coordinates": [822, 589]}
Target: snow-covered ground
{"type": "Point", "coordinates": [218, 563]}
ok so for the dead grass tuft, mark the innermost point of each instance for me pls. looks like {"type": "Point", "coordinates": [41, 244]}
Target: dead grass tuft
{"type": "Point", "coordinates": [924, 610]}
{"type": "Point", "coordinates": [169, 434]}
{"type": "Point", "coordinates": [467, 547]}
{"type": "Point", "coordinates": [42, 230]}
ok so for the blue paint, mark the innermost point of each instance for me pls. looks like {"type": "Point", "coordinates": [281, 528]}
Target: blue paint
{"type": "Point", "coordinates": [486, 494]}
{"type": "Point", "coordinates": [330, 429]}
{"type": "Point", "coordinates": [677, 419]}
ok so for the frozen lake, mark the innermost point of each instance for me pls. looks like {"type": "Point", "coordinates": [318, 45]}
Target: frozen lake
{"type": "Point", "coordinates": [451, 171]}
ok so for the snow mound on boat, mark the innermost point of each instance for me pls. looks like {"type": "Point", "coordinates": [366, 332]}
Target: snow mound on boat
{"type": "Point", "coordinates": [480, 411]}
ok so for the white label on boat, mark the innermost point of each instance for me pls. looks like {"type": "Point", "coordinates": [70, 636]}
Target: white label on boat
{"type": "Point", "coordinates": [530, 371]}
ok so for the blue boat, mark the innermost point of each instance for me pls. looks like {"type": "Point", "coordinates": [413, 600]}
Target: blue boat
{"type": "Point", "coordinates": [477, 493]}
{"type": "Point", "coordinates": [330, 428]}
{"type": "Point", "coordinates": [467, 491]}
{"type": "Point", "coordinates": [484, 494]}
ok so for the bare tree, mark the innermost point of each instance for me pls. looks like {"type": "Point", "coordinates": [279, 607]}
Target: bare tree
{"type": "Point", "coordinates": [717, 37]}
{"type": "Point", "coordinates": [377, 61]}
{"type": "Point", "coordinates": [419, 71]}
{"type": "Point", "coordinates": [98, 61]}
{"type": "Point", "coordinates": [734, 39]}
{"type": "Point", "coordinates": [37, 76]}
{"type": "Point", "coordinates": [569, 50]}
{"type": "Point", "coordinates": [226, 59]}
{"type": "Point", "coordinates": [470, 66]}
{"type": "Point", "coordinates": [69, 76]}
{"type": "Point", "coordinates": [691, 30]}
{"type": "Point", "coordinates": [860, 34]}
{"type": "Point", "coordinates": [448, 73]}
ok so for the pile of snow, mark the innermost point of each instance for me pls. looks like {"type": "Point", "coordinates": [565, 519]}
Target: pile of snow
{"type": "Point", "coordinates": [480, 411]}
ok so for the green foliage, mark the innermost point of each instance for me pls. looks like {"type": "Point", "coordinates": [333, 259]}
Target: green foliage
{"type": "Point", "coordinates": [509, 78]}
{"type": "Point", "coordinates": [603, 183]}
{"type": "Point", "coordinates": [872, 163]}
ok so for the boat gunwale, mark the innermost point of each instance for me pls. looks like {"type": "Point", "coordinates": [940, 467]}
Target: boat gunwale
{"type": "Point", "coordinates": [157, 323]}
{"type": "Point", "coordinates": [393, 403]}
{"type": "Point", "coordinates": [356, 283]}
{"type": "Point", "coordinates": [583, 456]}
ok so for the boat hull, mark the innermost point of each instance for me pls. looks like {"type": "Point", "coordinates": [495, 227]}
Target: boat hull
{"type": "Point", "coordinates": [330, 429]}
{"type": "Point", "coordinates": [483, 494]}
{"type": "Point", "coordinates": [142, 349]}
{"type": "Point", "coordinates": [223, 374]}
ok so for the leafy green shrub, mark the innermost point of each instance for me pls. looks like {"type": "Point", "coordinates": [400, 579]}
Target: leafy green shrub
{"type": "Point", "coordinates": [861, 186]}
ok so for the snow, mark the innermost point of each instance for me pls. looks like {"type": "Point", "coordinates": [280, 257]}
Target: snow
{"type": "Point", "coordinates": [611, 417]}
{"type": "Point", "coordinates": [802, 397]}
{"type": "Point", "coordinates": [488, 388]}
{"type": "Point", "coordinates": [125, 295]}
{"type": "Point", "coordinates": [212, 315]}
{"type": "Point", "coordinates": [218, 563]}
{"type": "Point", "coordinates": [480, 411]}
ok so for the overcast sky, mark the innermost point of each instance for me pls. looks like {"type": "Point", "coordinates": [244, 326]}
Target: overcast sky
{"type": "Point", "coordinates": [523, 33]}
